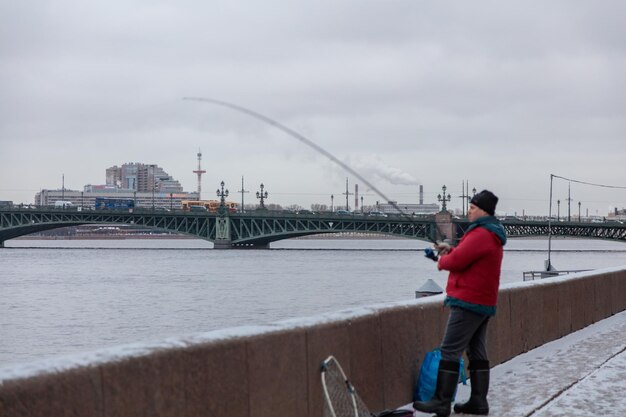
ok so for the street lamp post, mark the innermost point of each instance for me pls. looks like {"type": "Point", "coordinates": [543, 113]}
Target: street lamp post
{"type": "Point", "coordinates": [171, 201]}
{"type": "Point", "coordinates": [222, 194]}
{"type": "Point", "coordinates": [332, 198]}
{"type": "Point", "coordinates": [261, 195]}
{"type": "Point", "coordinates": [362, 211]}
{"type": "Point", "coordinates": [443, 200]}
{"type": "Point", "coordinates": [579, 212]}
{"type": "Point", "coordinates": [558, 210]}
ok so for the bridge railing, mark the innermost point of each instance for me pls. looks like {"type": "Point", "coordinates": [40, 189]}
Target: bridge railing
{"type": "Point", "coordinates": [532, 275]}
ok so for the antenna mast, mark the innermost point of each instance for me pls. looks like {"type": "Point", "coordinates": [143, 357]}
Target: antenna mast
{"type": "Point", "coordinates": [199, 172]}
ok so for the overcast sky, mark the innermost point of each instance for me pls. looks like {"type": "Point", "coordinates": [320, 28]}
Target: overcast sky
{"type": "Point", "coordinates": [406, 92]}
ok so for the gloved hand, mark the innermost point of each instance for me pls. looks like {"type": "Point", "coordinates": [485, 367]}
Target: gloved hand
{"type": "Point", "coordinates": [430, 254]}
{"type": "Point", "coordinates": [443, 248]}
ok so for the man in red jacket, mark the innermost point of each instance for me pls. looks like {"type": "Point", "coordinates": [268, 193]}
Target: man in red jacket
{"type": "Point", "coordinates": [472, 294]}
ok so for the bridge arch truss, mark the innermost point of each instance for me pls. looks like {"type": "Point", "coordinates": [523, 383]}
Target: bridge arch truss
{"type": "Point", "coordinates": [259, 228]}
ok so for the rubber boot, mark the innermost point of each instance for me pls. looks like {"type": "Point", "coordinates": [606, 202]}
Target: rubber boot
{"type": "Point", "coordinates": [477, 403]}
{"type": "Point", "coordinates": [447, 380]}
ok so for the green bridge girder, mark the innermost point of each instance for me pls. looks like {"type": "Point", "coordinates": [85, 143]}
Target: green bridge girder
{"type": "Point", "coordinates": [607, 230]}
{"type": "Point", "coordinates": [20, 222]}
{"type": "Point", "coordinates": [611, 230]}
{"type": "Point", "coordinates": [259, 228]}
{"type": "Point", "coordinates": [254, 229]}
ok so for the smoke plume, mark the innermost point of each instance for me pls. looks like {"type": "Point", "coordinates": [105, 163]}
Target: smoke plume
{"type": "Point", "coordinates": [374, 167]}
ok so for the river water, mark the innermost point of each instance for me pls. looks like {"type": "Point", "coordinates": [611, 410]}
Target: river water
{"type": "Point", "coordinates": [64, 296]}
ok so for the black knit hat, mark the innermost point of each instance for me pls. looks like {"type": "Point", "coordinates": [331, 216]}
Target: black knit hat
{"type": "Point", "coordinates": [485, 200]}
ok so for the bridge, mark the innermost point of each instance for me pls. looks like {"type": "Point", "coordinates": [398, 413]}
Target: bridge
{"type": "Point", "coordinates": [257, 229]}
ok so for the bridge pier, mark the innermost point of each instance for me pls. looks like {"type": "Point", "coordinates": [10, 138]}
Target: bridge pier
{"type": "Point", "coordinates": [251, 246]}
{"type": "Point", "coordinates": [445, 228]}
{"type": "Point", "coordinates": [222, 233]}
{"type": "Point", "coordinates": [222, 244]}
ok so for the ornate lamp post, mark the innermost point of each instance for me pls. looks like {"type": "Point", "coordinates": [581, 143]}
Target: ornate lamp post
{"type": "Point", "coordinates": [579, 212]}
{"type": "Point", "coordinates": [332, 199]}
{"type": "Point", "coordinates": [443, 200]}
{"type": "Point", "coordinates": [558, 210]}
{"type": "Point", "coordinates": [473, 191]}
{"type": "Point", "coordinates": [261, 195]}
{"type": "Point", "coordinates": [222, 194]}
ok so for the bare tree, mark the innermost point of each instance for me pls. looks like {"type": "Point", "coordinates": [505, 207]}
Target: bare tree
{"type": "Point", "coordinates": [319, 207]}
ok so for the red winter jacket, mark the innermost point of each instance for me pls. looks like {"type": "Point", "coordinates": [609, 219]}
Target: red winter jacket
{"type": "Point", "coordinates": [474, 266]}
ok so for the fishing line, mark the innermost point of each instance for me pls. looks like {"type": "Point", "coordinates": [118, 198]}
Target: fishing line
{"type": "Point", "coordinates": [307, 142]}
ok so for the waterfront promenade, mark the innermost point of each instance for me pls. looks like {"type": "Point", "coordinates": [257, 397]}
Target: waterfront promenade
{"type": "Point", "coordinates": [581, 374]}
{"type": "Point", "coordinates": [557, 348]}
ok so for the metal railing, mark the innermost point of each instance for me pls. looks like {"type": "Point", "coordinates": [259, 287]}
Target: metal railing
{"type": "Point", "coordinates": [531, 275]}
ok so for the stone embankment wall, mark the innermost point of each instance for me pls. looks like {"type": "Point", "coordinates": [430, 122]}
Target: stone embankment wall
{"type": "Point", "coordinates": [274, 370]}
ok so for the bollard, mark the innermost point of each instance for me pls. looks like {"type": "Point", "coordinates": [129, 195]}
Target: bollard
{"type": "Point", "coordinates": [430, 287]}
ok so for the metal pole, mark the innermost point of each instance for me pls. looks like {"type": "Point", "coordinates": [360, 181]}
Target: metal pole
{"type": "Point", "coordinates": [462, 196]}
{"type": "Point", "coordinates": [242, 191]}
{"type": "Point", "coordinates": [347, 194]}
{"type": "Point", "coordinates": [549, 265]}
{"type": "Point", "coordinates": [152, 166]}
{"type": "Point", "coordinates": [569, 200]}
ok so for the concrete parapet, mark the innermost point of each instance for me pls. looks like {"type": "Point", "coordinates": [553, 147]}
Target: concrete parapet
{"type": "Point", "coordinates": [274, 370]}
{"type": "Point", "coordinates": [216, 378]}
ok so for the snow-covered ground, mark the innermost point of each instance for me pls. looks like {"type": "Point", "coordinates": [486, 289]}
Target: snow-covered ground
{"type": "Point", "coordinates": [581, 374]}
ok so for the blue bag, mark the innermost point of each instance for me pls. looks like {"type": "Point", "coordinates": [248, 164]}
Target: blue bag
{"type": "Point", "coordinates": [427, 380]}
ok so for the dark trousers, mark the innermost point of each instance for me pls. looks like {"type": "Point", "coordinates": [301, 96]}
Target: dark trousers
{"type": "Point", "coordinates": [465, 331]}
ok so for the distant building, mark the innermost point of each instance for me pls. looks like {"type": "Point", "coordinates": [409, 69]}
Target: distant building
{"type": "Point", "coordinates": [146, 185]}
{"type": "Point", "coordinates": [407, 208]}
{"type": "Point", "coordinates": [87, 198]}
{"type": "Point", "coordinates": [142, 177]}
{"type": "Point", "coordinates": [617, 214]}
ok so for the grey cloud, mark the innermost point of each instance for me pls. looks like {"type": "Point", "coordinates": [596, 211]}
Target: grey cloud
{"type": "Point", "coordinates": [427, 86]}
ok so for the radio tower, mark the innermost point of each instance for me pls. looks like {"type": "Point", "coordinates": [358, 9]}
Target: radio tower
{"type": "Point", "coordinates": [199, 172]}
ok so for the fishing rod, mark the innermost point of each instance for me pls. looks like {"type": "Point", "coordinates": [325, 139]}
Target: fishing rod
{"type": "Point", "coordinates": [311, 144]}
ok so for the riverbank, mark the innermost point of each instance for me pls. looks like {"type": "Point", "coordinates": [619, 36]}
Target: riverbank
{"type": "Point", "coordinates": [325, 236]}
